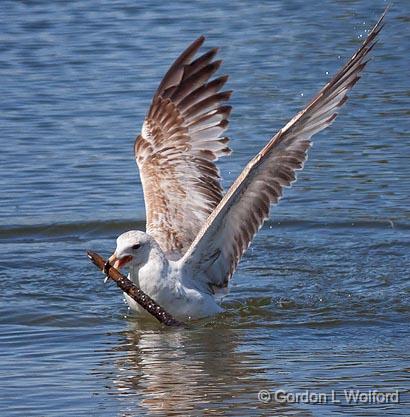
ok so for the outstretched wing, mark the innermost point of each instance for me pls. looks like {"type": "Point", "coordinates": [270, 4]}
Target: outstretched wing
{"type": "Point", "coordinates": [180, 139]}
{"type": "Point", "coordinates": [229, 230]}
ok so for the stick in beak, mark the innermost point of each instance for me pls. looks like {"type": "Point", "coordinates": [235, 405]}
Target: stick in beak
{"type": "Point", "coordinates": [108, 264]}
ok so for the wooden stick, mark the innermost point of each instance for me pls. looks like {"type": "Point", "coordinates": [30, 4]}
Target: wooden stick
{"type": "Point", "coordinates": [133, 291]}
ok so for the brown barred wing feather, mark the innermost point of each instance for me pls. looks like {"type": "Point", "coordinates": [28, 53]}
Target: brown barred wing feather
{"type": "Point", "coordinates": [181, 138]}
{"type": "Point", "coordinates": [227, 233]}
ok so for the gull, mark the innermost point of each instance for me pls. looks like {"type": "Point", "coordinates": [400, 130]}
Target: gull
{"type": "Point", "coordinates": [195, 234]}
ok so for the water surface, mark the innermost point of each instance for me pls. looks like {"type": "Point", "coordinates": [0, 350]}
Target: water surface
{"type": "Point", "coordinates": [320, 301]}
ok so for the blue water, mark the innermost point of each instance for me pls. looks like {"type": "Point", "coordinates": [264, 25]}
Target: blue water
{"type": "Point", "coordinates": [321, 300]}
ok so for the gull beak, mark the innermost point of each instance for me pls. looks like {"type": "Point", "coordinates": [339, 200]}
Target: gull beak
{"type": "Point", "coordinates": [116, 263]}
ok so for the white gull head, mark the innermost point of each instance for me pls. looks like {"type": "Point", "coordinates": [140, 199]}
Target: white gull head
{"type": "Point", "coordinates": [133, 249]}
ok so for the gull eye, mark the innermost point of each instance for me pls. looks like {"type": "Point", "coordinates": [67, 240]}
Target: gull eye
{"type": "Point", "coordinates": [136, 246]}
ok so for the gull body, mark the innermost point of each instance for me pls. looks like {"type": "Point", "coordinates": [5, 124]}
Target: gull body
{"type": "Point", "coordinates": [196, 234]}
{"type": "Point", "coordinates": [172, 287]}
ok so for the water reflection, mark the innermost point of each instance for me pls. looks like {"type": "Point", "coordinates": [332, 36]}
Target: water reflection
{"type": "Point", "coordinates": [208, 370]}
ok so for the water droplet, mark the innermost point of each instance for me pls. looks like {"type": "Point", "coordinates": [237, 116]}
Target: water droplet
{"type": "Point", "coordinates": [327, 72]}
{"type": "Point", "coordinates": [301, 94]}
